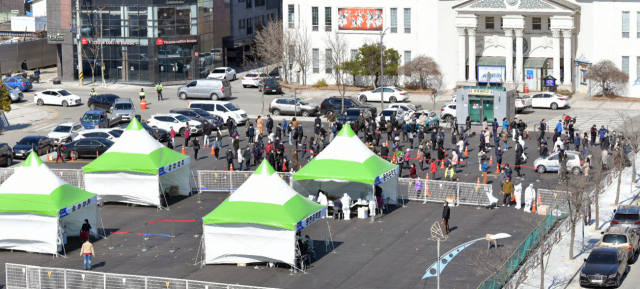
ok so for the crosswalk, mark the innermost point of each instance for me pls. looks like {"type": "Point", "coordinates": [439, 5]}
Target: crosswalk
{"type": "Point", "coordinates": [586, 118]}
{"type": "Point", "coordinates": [48, 126]}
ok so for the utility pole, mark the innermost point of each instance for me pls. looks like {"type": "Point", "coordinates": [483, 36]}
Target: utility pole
{"type": "Point", "coordinates": [78, 38]}
{"type": "Point", "coordinates": [382, 70]}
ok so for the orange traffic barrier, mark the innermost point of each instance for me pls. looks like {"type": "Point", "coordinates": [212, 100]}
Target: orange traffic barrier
{"type": "Point", "coordinates": [143, 104]}
{"type": "Point", "coordinates": [183, 152]}
{"type": "Point", "coordinates": [466, 151]}
{"type": "Point", "coordinates": [426, 185]}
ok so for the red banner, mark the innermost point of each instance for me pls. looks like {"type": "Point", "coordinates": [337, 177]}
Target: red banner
{"type": "Point", "coordinates": [369, 19]}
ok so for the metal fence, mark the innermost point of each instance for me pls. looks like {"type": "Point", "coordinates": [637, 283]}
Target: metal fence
{"type": "Point", "coordinates": [215, 181]}
{"type": "Point", "coordinates": [71, 176]}
{"type": "Point", "coordinates": [439, 191]}
{"type": "Point", "coordinates": [34, 277]}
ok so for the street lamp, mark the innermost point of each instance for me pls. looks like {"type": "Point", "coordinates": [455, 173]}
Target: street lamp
{"type": "Point", "coordinates": [382, 69]}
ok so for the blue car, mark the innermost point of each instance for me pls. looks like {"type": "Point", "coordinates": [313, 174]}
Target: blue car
{"type": "Point", "coordinates": [18, 82]}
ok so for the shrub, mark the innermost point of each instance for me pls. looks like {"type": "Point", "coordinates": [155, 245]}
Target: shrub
{"type": "Point", "coordinates": [321, 83]}
{"type": "Point", "coordinates": [565, 92]}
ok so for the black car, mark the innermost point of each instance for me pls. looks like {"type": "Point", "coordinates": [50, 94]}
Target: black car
{"type": "Point", "coordinates": [40, 144]}
{"type": "Point", "coordinates": [86, 148]}
{"type": "Point", "coordinates": [334, 105]}
{"type": "Point", "coordinates": [163, 134]}
{"type": "Point", "coordinates": [348, 116]}
{"type": "Point", "coordinates": [102, 101]}
{"type": "Point", "coordinates": [604, 267]}
{"type": "Point", "coordinates": [270, 86]}
{"type": "Point", "coordinates": [198, 114]}
{"type": "Point", "coordinates": [6, 155]}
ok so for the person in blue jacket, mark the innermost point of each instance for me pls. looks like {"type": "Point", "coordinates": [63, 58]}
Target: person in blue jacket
{"type": "Point", "coordinates": [559, 126]}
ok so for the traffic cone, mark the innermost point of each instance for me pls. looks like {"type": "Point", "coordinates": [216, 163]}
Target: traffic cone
{"type": "Point", "coordinates": [466, 151]}
{"type": "Point", "coordinates": [72, 160]}
{"type": "Point", "coordinates": [514, 197]}
{"type": "Point", "coordinates": [490, 160]}
{"type": "Point", "coordinates": [213, 150]}
{"type": "Point", "coordinates": [97, 154]}
{"type": "Point", "coordinates": [183, 152]}
{"type": "Point", "coordinates": [526, 89]}
{"type": "Point", "coordinates": [47, 155]}
{"type": "Point", "coordinates": [426, 185]}
{"type": "Point", "coordinates": [442, 165]}
{"type": "Point", "coordinates": [478, 184]}
{"type": "Point", "coordinates": [528, 134]}
{"type": "Point", "coordinates": [231, 167]}
{"type": "Point", "coordinates": [497, 168]}
{"type": "Point", "coordinates": [535, 209]}
{"type": "Point", "coordinates": [539, 199]}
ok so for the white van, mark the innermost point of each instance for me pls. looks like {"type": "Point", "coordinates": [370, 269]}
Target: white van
{"type": "Point", "coordinates": [224, 109]}
{"type": "Point", "coordinates": [205, 88]}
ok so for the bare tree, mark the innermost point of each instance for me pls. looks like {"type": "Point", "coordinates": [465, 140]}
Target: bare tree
{"type": "Point", "coordinates": [576, 191]}
{"type": "Point", "coordinates": [421, 67]}
{"type": "Point", "coordinates": [437, 84]}
{"type": "Point", "coordinates": [607, 77]}
{"type": "Point", "coordinates": [629, 130]}
{"type": "Point", "coordinates": [533, 222]}
{"type": "Point", "coordinates": [90, 51]}
{"type": "Point", "coordinates": [491, 262]}
{"type": "Point", "coordinates": [301, 50]}
{"type": "Point", "coordinates": [337, 44]}
{"type": "Point", "coordinates": [271, 45]}
{"type": "Point", "coordinates": [260, 68]}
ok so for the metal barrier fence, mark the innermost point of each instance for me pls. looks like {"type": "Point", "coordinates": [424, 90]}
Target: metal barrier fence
{"type": "Point", "coordinates": [550, 198]}
{"type": "Point", "coordinates": [215, 181]}
{"type": "Point", "coordinates": [525, 249]}
{"type": "Point", "coordinates": [34, 277]}
{"type": "Point", "coordinates": [439, 191]}
{"type": "Point", "coordinates": [73, 177]}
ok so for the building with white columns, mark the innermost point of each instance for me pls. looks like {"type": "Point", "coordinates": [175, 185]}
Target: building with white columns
{"type": "Point", "coordinates": [499, 41]}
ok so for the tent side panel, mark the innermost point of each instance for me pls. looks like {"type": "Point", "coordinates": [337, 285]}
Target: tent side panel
{"type": "Point", "coordinates": [73, 222]}
{"type": "Point", "coordinates": [28, 232]}
{"type": "Point", "coordinates": [133, 188]}
{"type": "Point", "coordinates": [391, 188]}
{"type": "Point", "coordinates": [248, 243]}
{"type": "Point", "coordinates": [180, 177]}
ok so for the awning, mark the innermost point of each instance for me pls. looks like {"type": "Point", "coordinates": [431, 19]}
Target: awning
{"type": "Point", "coordinates": [490, 60]}
{"type": "Point", "coordinates": [530, 62]}
{"type": "Point", "coordinates": [535, 62]}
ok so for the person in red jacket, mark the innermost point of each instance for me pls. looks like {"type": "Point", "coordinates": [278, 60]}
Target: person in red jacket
{"type": "Point", "coordinates": [412, 171]}
{"type": "Point", "coordinates": [434, 168]}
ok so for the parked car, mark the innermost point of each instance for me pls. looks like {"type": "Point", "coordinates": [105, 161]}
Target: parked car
{"type": "Point", "coordinates": [125, 108]}
{"type": "Point", "coordinates": [163, 135]}
{"type": "Point", "coordinates": [223, 109]}
{"type": "Point", "coordinates": [103, 101]}
{"type": "Point", "coordinates": [275, 73]}
{"type": "Point", "coordinates": [604, 267]}
{"type": "Point", "coordinates": [626, 216]}
{"type": "Point", "coordinates": [289, 105]}
{"type": "Point", "coordinates": [433, 120]}
{"type": "Point", "coordinates": [348, 116]}
{"type": "Point", "coordinates": [387, 113]}
{"type": "Point", "coordinates": [252, 79]}
{"type": "Point", "coordinates": [227, 73]}
{"type": "Point", "coordinates": [552, 163]}
{"type": "Point", "coordinates": [65, 132]}
{"type": "Point", "coordinates": [448, 112]}
{"type": "Point", "coordinates": [57, 97]}
{"type": "Point", "coordinates": [549, 100]}
{"type": "Point", "coordinates": [199, 115]}
{"type": "Point", "coordinates": [6, 155]}
{"type": "Point", "coordinates": [39, 144]}
{"type": "Point", "coordinates": [391, 94]}
{"type": "Point", "coordinates": [407, 107]}
{"type": "Point", "coordinates": [177, 121]}
{"type": "Point", "coordinates": [334, 105]}
{"type": "Point", "coordinates": [14, 94]}
{"type": "Point", "coordinates": [86, 148]}
{"type": "Point", "coordinates": [105, 133]}
{"type": "Point", "coordinates": [206, 88]}
{"type": "Point", "coordinates": [623, 238]}
{"type": "Point", "coordinates": [270, 86]}
{"type": "Point", "coordinates": [95, 119]}
{"type": "Point", "coordinates": [18, 82]}
{"type": "Point", "coordinates": [522, 103]}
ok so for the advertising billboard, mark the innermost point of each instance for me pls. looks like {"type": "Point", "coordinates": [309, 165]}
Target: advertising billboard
{"type": "Point", "coordinates": [367, 19]}
{"type": "Point", "coordinates": [491, 74]}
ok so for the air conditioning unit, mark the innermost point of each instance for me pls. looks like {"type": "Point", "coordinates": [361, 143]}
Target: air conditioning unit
{"type": "Point", "coordinates": [15, 11]}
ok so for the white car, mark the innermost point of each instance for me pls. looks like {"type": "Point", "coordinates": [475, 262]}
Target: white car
{"type": "Point", "coordinates": [407, 107]}
{"type": "Point", "coordinates": [224, 109]}
{"type": "Point", "coordinates": [549, 100]}
{"type": "Point", "coordinates": [448, 112]}
{"type": "Point", "coordinates": [65, 132]}
{"type": "Point", "coordinates": [227, 73]}
{"type": "Point", "coordinates": [98, 132]}
{"type": "Point", "coordinates": [388, 112]}
{"type": "Point", "coordinates": [177, 121]}
{"type": "Point", "coordinates": [391, 94]}
{"type": "Point", "coordinates": [57, 97]}
{"type": "Point", "coordinates": [253, 79]}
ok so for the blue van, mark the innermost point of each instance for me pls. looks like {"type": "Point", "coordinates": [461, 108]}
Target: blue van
{"type": "Point", "coordinates": [96, 118]}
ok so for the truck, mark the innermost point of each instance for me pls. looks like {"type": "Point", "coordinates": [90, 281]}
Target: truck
{"type": "Point", "coordinates": [522, 103]}
{"type": "Point", "coordinates": [97, 118]}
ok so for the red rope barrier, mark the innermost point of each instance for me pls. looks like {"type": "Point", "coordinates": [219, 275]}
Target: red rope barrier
{"type": "Point", "coordinates": [159, 222]}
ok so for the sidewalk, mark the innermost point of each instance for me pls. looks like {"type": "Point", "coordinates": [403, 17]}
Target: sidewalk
{"type": "Point", "coordinates": [561, 271]}
{"type": "Point", "coordinates": [22, 116]}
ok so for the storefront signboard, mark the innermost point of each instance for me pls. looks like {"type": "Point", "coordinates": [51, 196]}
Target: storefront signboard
{"type": "Point", "coordinates": [56, 37]}
{"type": "Point", "coordinates": [98, 42]}
{"type": "Point", "coordinates": [181, 41]}
{"type": "Point", "coordinates": [482, 91]}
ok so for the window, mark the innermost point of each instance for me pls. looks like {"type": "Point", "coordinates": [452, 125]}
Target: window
{"type": "Point", "coordinates": [637, 67]}
{"type": "Point", "coordinates": [407, 20]}
{"type": "Point", "coordinates": [249, 26]}
{"type": "Point", "coordinates": [314, 18]}
{"type": "Point", "coordinates": [638, 24]}
{"type": "Point", "coordinates": [249, 3]}
{"type": "Point", "coordinates": [625, 64]}
{"type": "Point", "coordinates": [241, 23]}
{"type": "Point", "coordinates": [328, 64]}
{"type": "Point", "coordinates": [291, 16]}
{"type": "Point", "coordinates": [549, 23]}
{"type": "Point", "coordinates": [501, 23]}
{"type": "Point", "coordinates": [316, 60]}
{"type": "Point", "coordinates": [536, 23]}
{"type": "Point", "coordinates": [625, 24]}
{"type": "Point", "coordinates": [354, 54]}
{"type": "Point", "coordinates": [583, 73]}
{"type": "Point", "coordinates": [327, 18]}
{"type": "Point", "coordinates": [259, 3]}
{"type": "Point", "coordinates": [394, 20]}
{"type": "Point", "coordinates": [489, 23]}
{"type": "Point", "coordinates": [407, 57]}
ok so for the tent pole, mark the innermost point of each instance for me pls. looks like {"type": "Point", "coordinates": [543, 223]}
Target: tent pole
{"type": "Point", "coordinates": [372, 205]}
{"type": "Point", "coordinates": [194, 181]}
{"type": "Point", "coordinates": [101, 222]}
{"type": "Point", "coordinates": [163, 195]}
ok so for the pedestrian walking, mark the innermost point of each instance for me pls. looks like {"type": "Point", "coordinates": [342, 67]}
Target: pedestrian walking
{"type": "Point", "coordinates": [577, 142]}
{"type": "Point", "coordinates": [446, 214]}
{"type": "Point", "coordinates": [499, 154]}
{"type": "Point", "coordinates": [449, 172]}
{"type": "Point", "coordinates": [240, 158]}
{"type": "Point", "coordinates": [84, 230]}
{"type": "Point", "coordinates": [59, 153]}
{"type": "Point", "coordinates": [187, 135]}
{"type": "Point", "coordinates": [485, 170]}
{"type": "Point", "coordinates": [87, 252]}
{"type": "Point", "coordinates": [229, 155]}
{"type": "Point", "coordinates": [260, 125]}
{"type": "Point", "coordinates": [217, 146]}
{"type": "Point", "coordinates": [585, 144]}
{"type": "Point", "coordinates": [24, 66]}
{"type": "Point", "coordinates": [433, 168]}
{"type": "Point", "coordinates": [196, 147]}
{"type": "Point", "coordinates": [206, 131]}
{"type": "Point", "coordinates": [507, 190]}
{"type": "Point", "coordinates": [269, 124]}
{"type": "Point", "coordinates": [246, 155]}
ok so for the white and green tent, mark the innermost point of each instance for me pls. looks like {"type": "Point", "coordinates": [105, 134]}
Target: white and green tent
{"type": "Point", "coordinates": [136, 169]}
{"type": "Point", "coordinates": [36, 206]}
{"type": "Point", "coordinates": [258, 222]}
{"type": "Point", "coordinates": [346, 165]}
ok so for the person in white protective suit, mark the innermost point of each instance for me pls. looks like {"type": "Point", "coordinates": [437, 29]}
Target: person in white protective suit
{"type": "Point", "coordinates": [373, 204]}
{"type": "Point", "coordinates": [521, 142]}
{"type": "Point", "coordinates": [346, 206]}
{"type": "Point", "coordinates": [529, 195]}
{"type": "Point", "coordinates": [322, 199]}
{"type": "Point", "coordinates": [517, 190]}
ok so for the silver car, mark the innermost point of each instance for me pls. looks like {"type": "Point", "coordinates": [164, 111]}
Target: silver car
{"type": "Point", "coordinates": [213, 89]}
{"type": "Point", "coordinates": [125, 108]}
{"type": "Point", "coordinates": [552, 163]}
{"type": "Point", "coordinates": [289, 105]}
{"type": "Point", "coordinates": [626, 216]}
{"type": "Point", "coordinates": [15, 94]}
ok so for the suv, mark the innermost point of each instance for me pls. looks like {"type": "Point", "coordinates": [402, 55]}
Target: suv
{"type": "Point", "coordinates": [102, 101]}
{"type": "Point", "coordinates": [448, 112]}
{"type": "Point", "coordinates": [6, 155]}
{"type": "Point", "coordinates": [288, 105]}
{"type": "Point", "coordinates": [626, 216]}
{"type": "Point", "coordinates": [124, 107]}
{"type": "Point", "coordinates": [334, 105]}
{"type": "Point", "coordinates": [177, 121]}
{"type": "Point", "coordinates": [623, 238]}
{"type": "Point", "coordinates": [224, 109]}
{"type": "Point", "coordinates": [252, 79]}
{"type": "Point", "coordinates": [65, 132]}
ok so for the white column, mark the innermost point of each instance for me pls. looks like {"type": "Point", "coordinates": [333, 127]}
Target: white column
{"type": "Point", "coordinates": [518, 77]}
{"type": "Point", "coordinates": [556, 53]}
{"type": "Point", "coordinates": [566, 34]}
{"type": "Point", "coordinates": [472, 54]}
{"type": "Point", "coordinates": [509, 55]}
{"type": "Point", "coordinates": [462, 52]}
